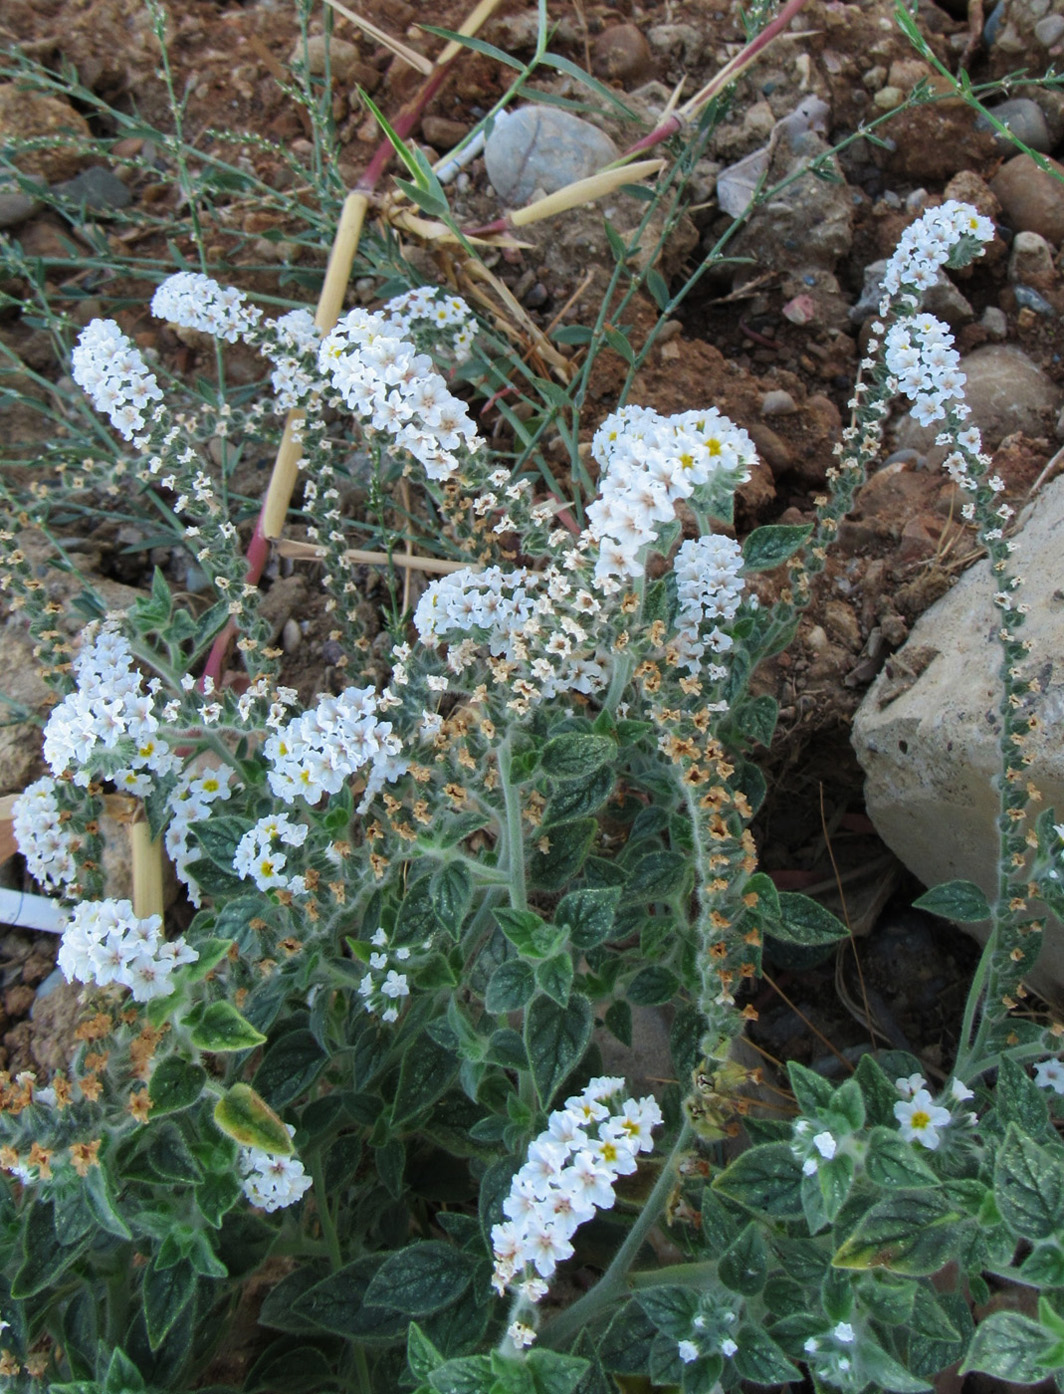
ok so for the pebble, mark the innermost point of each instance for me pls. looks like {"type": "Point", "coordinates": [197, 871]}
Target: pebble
{"type": "Point", "coordinates": [1049, 30]}
{"type": "Point", "coordinates": [16, 208]}
{"type": "Point", "coordinates": [97, 188]}
{"type": "Point", "coordinates": [344, 61]}
{"type": "Point", "coordinates": [442, 133]}
{"type": "Point", "coordinates": [778, 403]}
{"type": "Point", "coordinates": [291, 636]}
{"type": "Point", "coordinates": [1031, 259]}
{"type": "Point", "coordinates": [543, 148]}
{"type": "Point", "coordinates": [1032, 199]}
{"type": "Point", "coordinates": [995, 322]}
{"type": "Point", "coordinates": [1024, 119]}
{"type": "Point", "coordinates": [685, 41]}
{"type": "Point", "coordinates": [24, 114]}
{"type": "Point", "coordinates": [621, 54]}
{"type": "Point", "coordinates": [1028, 299]}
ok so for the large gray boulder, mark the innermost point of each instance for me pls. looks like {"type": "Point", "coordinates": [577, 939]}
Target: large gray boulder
{"type": "Point", "coordinates": [926, 733]}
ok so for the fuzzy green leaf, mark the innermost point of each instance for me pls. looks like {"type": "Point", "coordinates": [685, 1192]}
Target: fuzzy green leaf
{"type": "Point", "coordinates": [962, 901]}
{"type": "Point", "coordinates": [249, 1120]}
{"type": "Point", "coordinates": [222, 1028]}
{"type": "Point", "coordinates": [555, 1039]}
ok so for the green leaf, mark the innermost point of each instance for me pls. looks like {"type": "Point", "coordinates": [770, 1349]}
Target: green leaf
{"type": "Point", "coordinates": [44, 1258]}
{"type": "Point", "coordinates": [806, 922]}
{"type": "Point", "coordinates": [619, 343]}
{"type": "Point", "coordinates": [169, 1156]}
{"type": "Point", "coordinates": [165, 1295]}
{"type": "Point", "coordinates": [658, 287]}
{"type": "Point", "coordinates": [625, 1348]}
{"type": "Point", "coordinates": [568, 847]}
{"type": "Point", "coordinates": [554, 1373]}
{"type": "Point", "coordinates": [1042, 1268]}
{"type": "Point", "coordinates": [470, 1374]}
{"type": "Point", "coordinates": [894, 1164]}
{"type": "Point", "coordinates": [528, 932]}
{"type": "Point", "coordinates": [216, 1195]}
{"type": "Point", "coordinates": [211, 952]}
{"type": "Point", "coordinates": [587, 915]}
{"type": "Point", "coordinates": [766, 1178]}
{"type": "Point", "coordinates": [652, 986]}
{"type": "Point", "coordinates": [426, 1072]}
{"type": "Point", "coordinates": [756, 719]}
{"type": "Point", "coordinates": [812, 1092]}
{"type": "Point", "coordinates": [554, 976]}
{"type": "Point", "coordinates": [760, 1360]}
{"type": "Point", "coordinates": [510, 987]}
{"type": "Point", "coordinates": [770, 546]}
{"type": "Point", "coordinates": [576, 755]}
{"type": "Point", "coordinates": [574, 334]}
{"type": "Point", "coordinates": [1028, 1186]}
{"type": "Point", "coordinates": [555, 1039]}
{"type": "Point", "coordinates": [289, 1067]}
{"type": "Point", "coordinates": [218, 839]}
{"type": "Point", "coordinates": [176, 1084]}
{"type": "Point", "coordinates": [421, 1355]}
{"type": "Point", "coordinates": [656, 876]}
{"type": "Point", "coordinates": [451, 889]}
{"type": "Point", "coordinates": [249, 1120]}
{"type": "Point", "coordinates": [744, 1264]}
{"type": "Point", "coordinates": [670, 1307]}
{"type": "Point", "coordinates": [1008, 1346]}
{"type": "Point", "coordinates": [100, 1200]}
{"type": "Point", "coordinates": [1019, 1100]}
{"type": "Point", "coordinates": [337, 1304]}
{"type": "Point", "coordinates": [962, 901]}
{"type": "Point", "coordinates": [222, 1028]}
{"type": "Point", "coordinates": [915, 1232]}
{"type": "Point", "coordinates": [575, 798]}
{"type": "Point", "coordinates": [416, 921]}
{"type": "Point", "coordinates": [619, 1020]}
{"type": "Point", "coordinates": [420, 1279]}
{"type": "Point", "coordinates": [886, 1373]}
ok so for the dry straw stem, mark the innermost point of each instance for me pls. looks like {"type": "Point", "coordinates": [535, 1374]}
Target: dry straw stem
{"type": "Point", "coordinates": [581, 191]}
{"type": "Point", "coordinates": [310, 551]}
{"type": "Point", "coordinates": [147, 870]}
{"type": "Point", "coordinates": [477, 271]}
{"type": "Point", "coordinates": [416, 60]}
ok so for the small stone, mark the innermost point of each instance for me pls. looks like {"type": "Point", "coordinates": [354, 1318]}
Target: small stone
{"type": "Point", "coordinates": [16, 208]}
{"type": "Point", "coordinates": [1024, 119]}
{"type": "Point", "coordinates": [1049, 30]}
{"type": "Point", "coordinates": [887, 98]}
{"type": "Point", "coordinates": [97, 188]}
{"type": "Point", "coordinates": [26, 114]}
{"type": "Point", "coordinates": [18, 1000]}
{"type": "Point", "coordinates": [536, 296]}
{"type": "Point", "coordinates": [442, 133]}
{"type": "Point", "coordinates": [621, 54]}
{"type": "Point", "coordinates": [343, 57]}
{"type": "Point", "coordinates": [995, 322]}
{"type": "Point", "coordinates": [1031, 260]}
{"type": "Point", "coordinates": [543, 149]}
{"type": "Point", "coordinates": [291, 636]}
{"type": "Point", "coordinates": [1032, 198]}
{"type": "Point", "coordinates": [1028, 299]}
{"type": "Point", "coordinates": [773, 450]}
{"type": "Point", "coordinates": [684, 41]}
{"type": "Point", "coordinates": [778, 403]}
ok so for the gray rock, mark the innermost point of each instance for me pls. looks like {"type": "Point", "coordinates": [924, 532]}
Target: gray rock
{"type": "Point", "coordinates": [1050, 30]}
{"type": "Point", "coordinates": [542, 149]}
{"type": "Point", "coordinates": [1032, 198]}
{"type": "Point", "coordinates": [97, 188]}
{"type": "Point", "coordinates": [929, 749]}
{"type": "Point", "coordinates": [1006, 392]}
{"type": "Point", "coordinates": [16, 208]}
{"type": "Point", "coordinates": [943, 299]}
{"type": "Point", "coordinates": [343, 57]}
{"type": "Point", "coordinates": [683, 41]}
{"type": "Point", "coordinates": [810, 222]}
{"type": "Point", "coordinates": [1024, 119]}
{"type": "Point", "coordinates": [1030, 259]}
{"type": "Point", "coordinates": [1028, 299]}
{"type": "Point", "coordinates": [778, 403]}
{"type": "Point", "coordinates": [995, 322]}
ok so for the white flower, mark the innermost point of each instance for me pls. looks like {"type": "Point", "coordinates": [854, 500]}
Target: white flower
{"type": "Point", "coordinates": [728, 1347]}
{"type": "Point", "coordinates": [1049, 1074]}
{"type": "Point", "coordinates": [910, 1086]}
{"type": "Point", "coordinates": [920, 1118]}
{"type": "Point", "coordinates": [960, 1091]}
{"type": "Point", "coordinates": [844, 1332]}
{"type": "Point", "coordinates": [826, 1145]}
{"type": "Point", "coordinates": [520, 1334]}
{"type": "Point", "coordinates": [272, 1181]}
{"type": "Point", "coordinates": [687, 1351]}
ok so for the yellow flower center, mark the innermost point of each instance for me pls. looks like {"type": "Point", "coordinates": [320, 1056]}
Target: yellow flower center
{"type": "Point", "coordinates": [920, 1119]}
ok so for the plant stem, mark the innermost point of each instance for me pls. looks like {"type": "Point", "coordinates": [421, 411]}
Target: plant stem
{"type": "Point", "coordinates": [515, 851]}
{"type": "Point", "coordinates": [328, 1227]}
{"type": "Point", "coordinates": [622, 672]}
{"type": "Point", "coordinates": [614, 1281]}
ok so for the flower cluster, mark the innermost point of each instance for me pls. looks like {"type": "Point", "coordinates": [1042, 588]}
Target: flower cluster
{"type": "Point", "coordinates": [709, 587]}
{"type": "Point", "coordinates": [42, 837]}
{"type": "Point", "coordinates": [920, 357]}
{"type": "Point", "coordinates": [395, 390]}
{"type": "Point", "coordinates": [934, 239]}
{"type": "Point", "coordinates": [648, 461]}
{"type": "Point", "coordinates": [713, 1329]}
{"type": "Point", "coordinates": [427, 306]}
{"type": "Point", "coordinates": [107, 365]}
{"type": "Point", "coordinates": [570, 1173]}
{"type": "Point", "coordinates": [314, 753]}
{"type": "Point", "coordinates": [919, 1117]}
{"type": "Point", "coordinates": [383, 983]}
{"type": "Point", "coordinates": [104, 942]}
{"type": "Point", "coordinates": [1049, 1074]}
{"type": "Point", "coordinates": [257, 855]}
{"type": "Point", "coordinates": [271, 1181]}
{"type": "Point", "coordinates": [295, 337]}
{"type": "Point", "coordinates": [108, 722]}
{"type": "Point", "coordinates": [195, 301]}
{"type": "Point", "coordinates": [189, 801]}
{"type": "Point", "coordinates": [813, 1148]}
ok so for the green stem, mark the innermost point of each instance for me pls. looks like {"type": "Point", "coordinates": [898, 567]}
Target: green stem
{"type": "Point", "coordinates": [614, 1281]}
{"type": "Point", "coordinates": [622, 672]}
{"type": "Point", "coordinates": [686, 1275]}
{"type": "Point", "coordinates": [328, 1226]}
{"type": "Point", "coordinates": [515, 842]}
